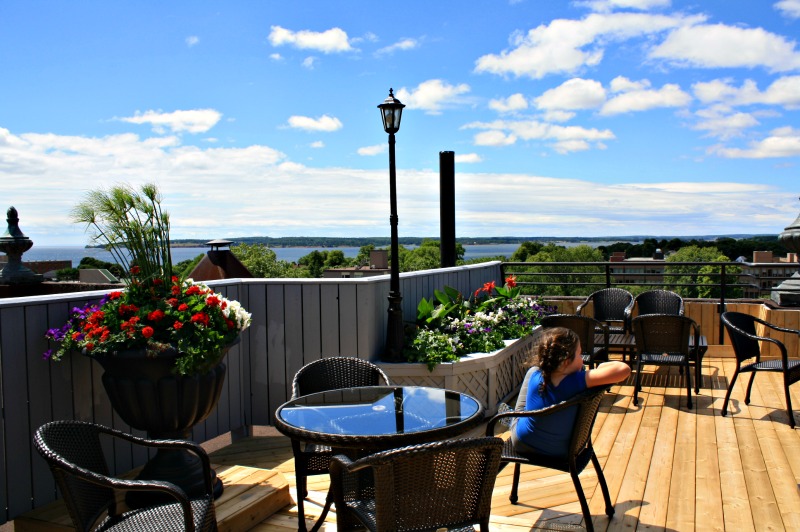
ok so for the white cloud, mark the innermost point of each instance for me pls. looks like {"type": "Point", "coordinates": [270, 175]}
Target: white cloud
{"type": "Point", "coordinates": [334, 40]}
{"type": "Point", "coordinates": [605, 6]}
{"type": "Point", "coordinates": [369, 151]}
{"type": "Point", "coordinates": [563, 138]}
{"type": "Point", "coordinates": [789, 8]}
{"type": "Point", "coordinates": [575, 93]}
{"type": "Point", "coordinates": [401, 45]}
{"type": "Point", "coordinates": [468, 158]}
{"type": "Point", "coordinates": [192, 40]}
{"type": "Point", "coordinates": [638, 97]}
{"type": "Point", "coordinates": [494, 138]}
{"type": "Point", "coordinates": [432, 96]}
{"type": "Point", "coordinates": [515, 102]}
{"type": "Point", "coordinates": [557, 115]}
{"type": "Point", "coordinates": [565, 46]}
{"type": "Point", "coordinates": [323, 123]}
{"type": "Point", "coordinates": [276, 57]}
{"type": "Point", "coordinates": [317, 144]}
{"type": "Point", "coordinates": [722, 46]}
{"type": "Point", "coordinates": [783, 142]}
{"type": "Point", "coordinates": [309, 62]}
{"type": "Point", "coordinates": [191, 121]}
{"type": "Point", "coordinates": [784, 91]}
{"type": "Point", "coordinates": [723, 124]}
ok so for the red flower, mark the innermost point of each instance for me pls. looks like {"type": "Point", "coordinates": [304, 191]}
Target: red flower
{"type": "Point", "coordinates": [147, 332]}
{"type": "Point", "coordinates": [114, 295]}
{"type": "Point", "coordinates": [89, 346]}
{"type": "Point", "coordinates": [177, 325]}
{"type": "Point", "coordinates": [192, 290]}
{"type": "Point", "coordinates": [511, 281]}
{"type": "Point", "coordinates": [172, 302]}
{"type": "Point", "coordinates": [176, 290]}
{"type": "Point", "coordinates": [175, 279]}
{"type": "Point", "coordinates": [158, 282]}
{"type": "Point", "coordinates": [201, 318]}
{"type": "Point", "coordinates": [488, 287]}
{"type": "Point", "coordinates": [183, 307]}
{"type": "Point", "coordinates": [135, 270]}
{"type": "Point", "coordinates": [477, 292]}
{"type": "Point", "coordinates": [156, 315]}
{"type": "Point", "coordinates": [230, 324]}
{"type": "Point", "coordinates": [212, 301]}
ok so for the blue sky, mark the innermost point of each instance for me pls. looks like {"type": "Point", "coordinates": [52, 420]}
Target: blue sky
{"type": "Point", "coordinates": [582, 118]}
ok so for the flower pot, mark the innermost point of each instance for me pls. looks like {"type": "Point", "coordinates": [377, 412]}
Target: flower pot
{"type": "Point", "coordinates": [149, 397]}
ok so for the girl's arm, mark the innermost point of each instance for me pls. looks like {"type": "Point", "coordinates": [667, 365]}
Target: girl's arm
{"type": "Point", "coordinates": [607, 373]}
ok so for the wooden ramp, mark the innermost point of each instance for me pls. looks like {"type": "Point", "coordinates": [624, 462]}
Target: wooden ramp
{"type": "Point", "coordinates": [251, 495]}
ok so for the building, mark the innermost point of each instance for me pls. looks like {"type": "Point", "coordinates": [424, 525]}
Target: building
{"type": "Point", "coordinates": [648, 270]}
{"type": "Point", "coordinates": [766, 272]}
{"type": "Point", "coordinates": [378, 265]}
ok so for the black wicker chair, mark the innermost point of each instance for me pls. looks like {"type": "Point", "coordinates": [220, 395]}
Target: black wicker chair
{"type": "Point", "coordinates": [319, 376]}
{"type": "Point", "coordinates": [655, 302]}
{"type": "Point", "coordinates": [609, 306]}
{"type": "Point", "coordinates": [585, 328]}
{"type": "Point", "coordinates": [577, 456]}
{"type": "Point", "coordinates": [74, 453]}
{"type": "Point", "coordinates": [666, 340]}
{"type": "Point", "coordinates": [742, 330]}
{"type": "Point", "coordinates": [446, 484]}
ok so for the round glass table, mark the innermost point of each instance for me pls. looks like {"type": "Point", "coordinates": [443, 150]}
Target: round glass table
{"type": "Point", "coordinates": [374, 418]}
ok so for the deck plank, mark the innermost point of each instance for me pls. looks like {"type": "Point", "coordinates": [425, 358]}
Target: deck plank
{"type": "Point", "coordinates": [667, 468]}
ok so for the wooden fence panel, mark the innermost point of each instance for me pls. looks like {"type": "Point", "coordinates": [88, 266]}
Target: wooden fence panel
{"type": "Point", "coordinates": [312, 323]}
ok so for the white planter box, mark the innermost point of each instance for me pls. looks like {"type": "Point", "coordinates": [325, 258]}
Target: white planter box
{"type": "Point", "coordinates": [489, 377]}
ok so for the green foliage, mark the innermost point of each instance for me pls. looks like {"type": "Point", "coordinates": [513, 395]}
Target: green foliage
{"type": "Point", "coordinates": [185, 267]}
{"type": "Point", "coordinates": [427, 256]}
{"type": "Point", "coordinates": [451, 325]}
{"type": "Point", "coordinates": [525, 250]}
{"type": "Point", "coordinates": [700, 274]}
{"type": "Point", "coordinates": [558, 283]}
{"type": "Point", "coordinates": [67, 274]}
{"type": "Point", "coordinates": [132, 226]}
{"type": "Point", "coordinates": [263, 262]}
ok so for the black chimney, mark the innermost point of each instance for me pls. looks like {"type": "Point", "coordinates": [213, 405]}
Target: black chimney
{"type": "Point", "coordinates": [447, 208]}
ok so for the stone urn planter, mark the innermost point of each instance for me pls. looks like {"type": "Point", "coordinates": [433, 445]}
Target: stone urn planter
{"type": "Point", "coordinates": [489, 377]}
{"type": "Point", "coordinates": [148, 396]}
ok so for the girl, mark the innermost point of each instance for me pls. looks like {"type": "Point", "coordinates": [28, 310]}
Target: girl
{"type": "Point", "coordinates": [557, 375]}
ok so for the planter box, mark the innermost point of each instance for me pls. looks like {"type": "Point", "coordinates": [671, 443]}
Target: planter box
{"type": "Point", "coordinates": [489, 377]}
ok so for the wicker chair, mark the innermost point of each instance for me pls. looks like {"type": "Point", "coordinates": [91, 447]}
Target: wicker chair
{"type": "Point", "coordinates": [609, 306]}
{"type": "Point", "coordinates": [655, 302]}
{"type": "Point", "coordinates": [584, 327]}
{"type": "Point", "coordinates": [74, 453]}
{"type": "Point", "coordinates": [319, 376]}
{"type": "Point", "coordinates": [577, 456]}
{"type": "Point", "coordinates": [746, 346]}
{"type": "Point", "coordinates": [666, 340]}
{"type": "Point", "coordinates": [446, 484]}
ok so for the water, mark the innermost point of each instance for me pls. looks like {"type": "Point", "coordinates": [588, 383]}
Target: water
{"type": "Point", "coordinates": [76, 253]}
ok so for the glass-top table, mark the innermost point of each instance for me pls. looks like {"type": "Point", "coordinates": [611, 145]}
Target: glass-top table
{"type": "Point", "coordinates": [378, 417]}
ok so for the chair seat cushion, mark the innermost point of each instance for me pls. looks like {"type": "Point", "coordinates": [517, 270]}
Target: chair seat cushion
{"type": "Point", "coordinates": [512, 454]}
{"type": "Point", "coordinates": [164, 517]}
{"type": "Point", "coordinates": [776, 365]}
{"type": "Point", "coordinates": [672, 359]}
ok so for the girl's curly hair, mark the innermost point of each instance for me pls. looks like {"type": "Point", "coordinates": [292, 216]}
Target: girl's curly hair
{"type": "Point", "coordinates": [556, 346]}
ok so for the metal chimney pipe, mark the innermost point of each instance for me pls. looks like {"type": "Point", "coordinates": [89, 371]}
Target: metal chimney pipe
{"type": "Point", "coordinates": [447, 208]}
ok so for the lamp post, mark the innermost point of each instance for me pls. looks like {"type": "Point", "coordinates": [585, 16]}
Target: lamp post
{"type": "Point", "coordinates": [391, 113]}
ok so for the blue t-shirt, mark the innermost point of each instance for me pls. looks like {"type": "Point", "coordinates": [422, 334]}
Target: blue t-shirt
{"type": "Point", "coordinates": [549, 435]}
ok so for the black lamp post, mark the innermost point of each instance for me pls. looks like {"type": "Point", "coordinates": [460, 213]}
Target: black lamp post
{"type": "Point", "coordinates": [391, 112]}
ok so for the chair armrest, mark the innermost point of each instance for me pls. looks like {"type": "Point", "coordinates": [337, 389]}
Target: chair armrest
{"type": "Point", "coordinates": [579, 310]}
{"type": "Point", "coordinates": [167, 444]}
{"type": "Point", "coordinates": [543, 412]}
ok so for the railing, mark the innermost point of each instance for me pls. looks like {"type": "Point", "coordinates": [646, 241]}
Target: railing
{"type": "Point", "coordinates": [716, 280]}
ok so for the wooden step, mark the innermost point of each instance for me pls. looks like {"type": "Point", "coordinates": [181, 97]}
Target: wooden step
{"type": "Point", "coordinates": [251, 495]}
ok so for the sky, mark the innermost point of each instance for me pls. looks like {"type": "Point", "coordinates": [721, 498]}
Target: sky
{"type": "Point", "coordinates": [259, 118]}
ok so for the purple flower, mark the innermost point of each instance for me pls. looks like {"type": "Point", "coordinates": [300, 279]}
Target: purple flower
{"type": "Point", "coordinates": [47, 355]}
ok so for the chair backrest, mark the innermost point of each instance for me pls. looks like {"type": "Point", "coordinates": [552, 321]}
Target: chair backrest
{"type": "Point", "coordinates": [659, 302]}
{"type": "Point", "coordinates": [584, 327]}
{"type": "Point", "coordinates": [739, 325]}
{"type": "Point", "coordinates": [334, 373]}
{"type": "Point", "coordinates": [72, 450]}
{"type": "Point", "coordinates": [657, 333]}
{"type": "Point", "coordinates": [435, 485]}
{"type": "Point", "coordinates": [588, 404]}
{"type": "Point", "coordinates": [610, 304]}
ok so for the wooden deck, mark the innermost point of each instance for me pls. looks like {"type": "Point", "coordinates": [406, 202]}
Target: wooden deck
{"type": "Point", "coordinates": [667, 468]}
